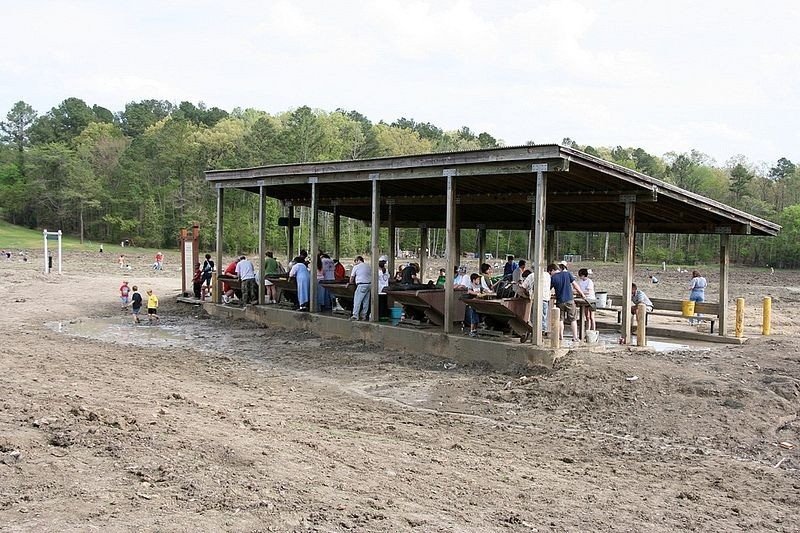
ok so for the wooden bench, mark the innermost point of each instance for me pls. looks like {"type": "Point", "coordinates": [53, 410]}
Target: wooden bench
{"type": "Point", "coordinates": [674, 308]}
{"type": "Point", "coordinates": [430, 303]}
{"type": "Point", "coordinates": [670, 308]}
{"type": "Point", "coordinates": [512, 311]}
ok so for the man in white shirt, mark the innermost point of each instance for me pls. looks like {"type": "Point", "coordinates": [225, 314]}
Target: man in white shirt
{"type": "Point", "coordinates": [527, 284]}
{"type": "Point", "coordinates": [247, 275]}
{"type": "Point", "coordinates": [361, 277]}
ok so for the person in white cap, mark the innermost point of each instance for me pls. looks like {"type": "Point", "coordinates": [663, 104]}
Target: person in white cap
{"type": "Point", "coordinates": [562, 265]}
{"type": "Point", "coordinates": [383, 273]}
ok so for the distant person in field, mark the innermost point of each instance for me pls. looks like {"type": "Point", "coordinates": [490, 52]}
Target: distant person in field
{"type": "Point", "coordinates": [124, 293]}
{"type": "Point", "coordinates": [152, 306]}
{"type": "Point", "coordinates": [159, 263]}
{"type": "Point", "coordinates": [101, 248]}
{"type": "Point", "coordinates": [136, 304]}
{"type": "Point", "coordinates": [121, 260]}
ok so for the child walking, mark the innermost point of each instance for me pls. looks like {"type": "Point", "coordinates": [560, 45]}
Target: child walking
{"type": "Point", "coordinates": [152, 306]}
{"type": "Point", "coordinates": [124, 293]}
{"type": "Point", "coordinates": [136, 304]}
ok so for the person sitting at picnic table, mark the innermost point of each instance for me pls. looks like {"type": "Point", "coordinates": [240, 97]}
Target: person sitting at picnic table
{"type": "Point", "coordinates": [440, 281]}
{"type": "Point", "coordinates": [471, 316]}
{"type": "Point", "coordinates": [410, 275]}
{"type": "Point", "coordinates": [229, 292]}
{"type": "Point", "coordinates": [639, 297]}
{"type": "Point", "coordinates": [461, 279]}
{"type": "Point", "coordinates": [487, 272]}
{"type": "Point", "coordinates": [339, 272]}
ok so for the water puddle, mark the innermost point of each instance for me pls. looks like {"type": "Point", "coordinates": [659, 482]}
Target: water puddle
{"type": "Point", "coordinates": [610, 339]}
{"type": "Point", "coordinates": [122, 330]}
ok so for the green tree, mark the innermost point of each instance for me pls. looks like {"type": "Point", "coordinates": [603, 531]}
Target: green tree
{"type": "Point", "coordinates": [740, 179]}
{"type": "Point", "coordinates": [63, 123]}
{"type": "Point", "coordinates": [138, 116]}
{"type": "Point", "coordinates": [16, 127]}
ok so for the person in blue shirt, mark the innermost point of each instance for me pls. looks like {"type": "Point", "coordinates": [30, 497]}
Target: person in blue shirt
{"type": "Point", "coordinates": [509, 267]}
{"type": "Point", "coordinates": [565, 286]}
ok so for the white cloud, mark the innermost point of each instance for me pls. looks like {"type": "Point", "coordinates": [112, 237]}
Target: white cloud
{"type": "Point", "coordinates": [721, 77]}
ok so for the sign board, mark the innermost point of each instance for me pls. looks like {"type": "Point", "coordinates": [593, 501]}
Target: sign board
{"type": "Point", "coordinates": [284, 221]}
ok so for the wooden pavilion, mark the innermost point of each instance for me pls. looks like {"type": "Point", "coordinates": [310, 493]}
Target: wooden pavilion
{"type": "Point", "coordinates": [541, 188]}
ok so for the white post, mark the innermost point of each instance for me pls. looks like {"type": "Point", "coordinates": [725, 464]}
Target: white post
{"type": "Point", "coordinates": [59, 251]}
{"type": "Point", "coordinates": [44, 233]}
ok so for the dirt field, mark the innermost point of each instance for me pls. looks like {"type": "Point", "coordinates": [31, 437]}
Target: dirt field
{"type": "Point", "coordinates": [202, 425]}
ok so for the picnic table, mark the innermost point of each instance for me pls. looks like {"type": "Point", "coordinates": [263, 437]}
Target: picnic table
{"type": "Point", "coordinates": [428, 303]}
{"type": "Point", "coordinates": [513, 312]}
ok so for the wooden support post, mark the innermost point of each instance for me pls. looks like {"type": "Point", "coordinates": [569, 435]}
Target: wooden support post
{"type": "Point", "coordinates": [375, 247]}
{"type": "Point", "coordinates": [392, 237]}
{"type": "Point", "coordinates": [738, 327]}
{"type": "Point", "coordinates": [641, 324]}
{"type": "Point", "coordinates": [550, 251]}
{"type": "Point", "coordinates": [290, 251]}
{"type": "Point", "coordinates": [423, 254]}
{"type": "Point", "coordinates": [312, 253]}
{"type": "Point", "coordinates": [337, 232]}
{"type": "Point", "coordinates": [554, 315]}
{"type": "Point", "coordinates": [452, 250]}
{"type": "Point", "coordinates": [766, 316]}
{"type": "Point", "coordinates": [724, 263]}
{"type": "Point", "coordinates": [481, 244]}
{"type": "Point", "coordinates": [537, 258]}
{"type": "Point", "coordinates": [262, 199]}
{"type": "Point", "coordinates": [217, 294]}
{"type": "Point", "coordinates": [628, 253]}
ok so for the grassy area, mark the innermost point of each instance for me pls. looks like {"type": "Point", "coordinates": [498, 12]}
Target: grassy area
{"type": "Point", "coordinates": [18, 238]}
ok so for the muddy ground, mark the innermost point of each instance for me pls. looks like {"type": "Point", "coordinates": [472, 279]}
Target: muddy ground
{"type": "Point", "coordinates": [201, 425]}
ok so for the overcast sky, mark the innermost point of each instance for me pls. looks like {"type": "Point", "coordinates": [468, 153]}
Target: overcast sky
{"type": "Point", "coordinates": [722, 77]}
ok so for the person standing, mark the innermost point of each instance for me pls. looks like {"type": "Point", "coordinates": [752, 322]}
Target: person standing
{"type": "Point", "coordinates": [516, 275]}
{"type": "Point", "coordinates": [159, 263]}
{"type": "Point", "coordinates": [587, 286]}
{"type": "Point", "coordinates": [563, 283]}
{"type": "Point", "coordinates": [361, 277]}
{"type": "Point", "coordinates": [509, 267]}
{"type": "Point", "coordinates": [247, 275]}
{"type": "Point", "coordinates": [152, 306]}
{"type": "Point", "coordinates": [208, 270]}
{"type": "Point", "coordinates": [302, 277]}
{"type": "Point", "coordinates": [528, 285]}
{"type": "Point", "coordinates": [197, 281]}
{"type": "Point", "coordinates": [271, 268]}
{"type": "Point", "coordinates": [101, 247]}
{"type": "Point", "coordinates": [136, 304]}
{"type": "Point", "coordinates": [697, 290]}
{"type": "Point", "coordinates": [124, 293]}
{"type": "Point", "coordinates": [229, 292]}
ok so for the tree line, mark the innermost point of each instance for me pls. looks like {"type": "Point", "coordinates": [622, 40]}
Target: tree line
{"type": "Point", "coordinates": [138, 174]}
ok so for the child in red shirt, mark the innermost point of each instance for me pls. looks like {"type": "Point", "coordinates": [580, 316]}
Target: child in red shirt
{"type": "Point", "coordinates": [124, 294]}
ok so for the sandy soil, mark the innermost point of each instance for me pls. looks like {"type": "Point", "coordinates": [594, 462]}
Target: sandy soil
{"type": "Point", "coordinates": [197, 424]}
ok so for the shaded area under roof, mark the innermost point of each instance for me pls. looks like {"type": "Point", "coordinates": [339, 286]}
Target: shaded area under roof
{"type": "Point", "coordinates": [495, 188]}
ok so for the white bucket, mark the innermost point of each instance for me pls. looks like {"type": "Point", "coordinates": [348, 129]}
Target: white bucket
{"type": "Point", "coordinates": [592, 335]}
{"type": "Point", "coordinates": [601, 298]}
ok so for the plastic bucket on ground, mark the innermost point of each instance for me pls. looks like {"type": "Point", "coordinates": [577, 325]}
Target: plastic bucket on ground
{"type": "Point", "coordinates": [601, 298]}
{"type": "Point", "coordinates": [396, 314]}
{"type": "Point", "coordinates": [592, 335]}
{"type": "Point", "coordinates": [687, 307]}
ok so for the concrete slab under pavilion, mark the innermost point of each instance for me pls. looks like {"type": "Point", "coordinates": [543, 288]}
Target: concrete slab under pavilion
{"type": "Point", "coordinates": [541, 188]}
